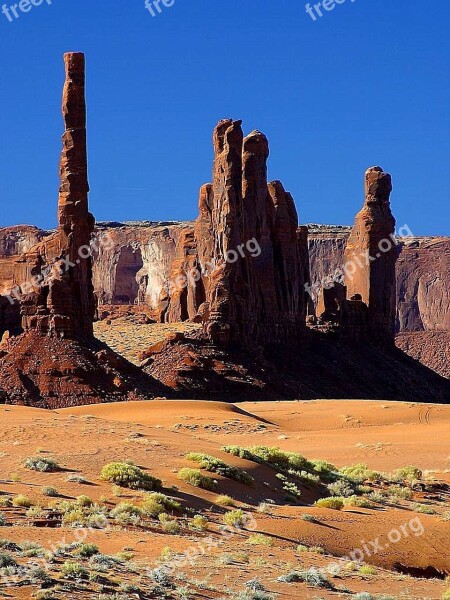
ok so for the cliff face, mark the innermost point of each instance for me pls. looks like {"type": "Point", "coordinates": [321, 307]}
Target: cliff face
{"type": "Point", "coordinates": [422, 276]}
{"type": "Point", "coordinates": [137, 259]}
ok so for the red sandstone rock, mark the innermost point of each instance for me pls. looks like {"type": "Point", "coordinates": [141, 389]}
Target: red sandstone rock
{"type": "Point", "coordinates": [252, 296]}
{"type": "Point", "coordinates": [39, 367]}
{"type": "Point", "coordinates": [373, 253]}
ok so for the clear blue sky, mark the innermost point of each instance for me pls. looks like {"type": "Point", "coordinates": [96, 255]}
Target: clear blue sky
{"type": "Point", "coordinates": [366, 84]}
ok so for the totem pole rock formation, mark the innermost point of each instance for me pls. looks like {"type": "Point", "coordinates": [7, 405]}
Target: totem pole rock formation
{"type": "Point", "coordinates": [62, 303]}
{"type": "Point", "coordinates": [248, 245]}
{"type": "Point", "coordinates": [372, 251]}
{"type": "Point", "coordinates": [56, 361]}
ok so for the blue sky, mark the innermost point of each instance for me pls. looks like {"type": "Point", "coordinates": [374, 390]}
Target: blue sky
{"type": "Point", "coordinates": [368, 83]}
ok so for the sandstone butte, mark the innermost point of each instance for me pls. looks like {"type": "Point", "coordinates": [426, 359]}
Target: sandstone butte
{"type": "Point", "coordinates": [262, 335]}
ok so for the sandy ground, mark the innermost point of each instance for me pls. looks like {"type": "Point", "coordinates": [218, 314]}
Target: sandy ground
{"type": "Point", "coordinates": [156, 435]}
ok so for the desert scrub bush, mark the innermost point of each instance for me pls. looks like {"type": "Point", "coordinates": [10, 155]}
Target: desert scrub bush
{"type": "Point", "coordinates": [404, 493]}
{"type": "Point", "coordinates": [41, 464]}
{"type": "Point", "coordinates": [446, 516]}
{"type": "Point", "coordinates": [5, 501]}
{"type": "Point", "coordinates": [3, 522]}
{"type": "Point", "coordinates": [156, 503]}
{"type": "Point", "coordinates": [234, 518]}
{"type": "Point", "coordinates": [7, 560]}
{"type": "Point", "coordinates": [87, 550]}
{"type": "Point", "coordinates": [359, 473]}
{"type": "Point", "coordinates": [358, 502]}
{"type": "Point", "coordinates": [199, 523]}
{"type": "Point", "coordinates": [74, 518]}
{"type": "Point", "coordinates": [50, 492]}
{"type": "Point", "coordinates": [424, 509]}
{"type": "Point", "coordinates": [8, 545]}
{"type": "Point", "coordinates": [275, 457]}
{"type": "Point", "coordinates": [73, 570]}
{"type": "Point", "coordinates": [129, 476]}
{"type": "Point", "coordinates": [126, 514]}
{"type": "Point", "coordinates": [367, 571]}
{"type": "Point", "coordinates": [446, 595]}
{"type": "Point", "coordinates": [77, 479]}
{"type": "Point", "coordinates": [224, 500]}
{"type": "Point", "coordinates": [312, 577]}
{"type": "Point", "coordinates": [364, 596]}
{"type": "Point", "coordinates": [308, 518]}
{"type": "Point", "coordinates": [259, 539]}
{"type": "Point", "coordinates": [84, 501]}
{"type": "Point", "coordinates": [35, 512]}
{"type": "Point", "coordinates": [215, 465]}
{"type": "Point", "coordinates": [408, 474]}
{"type": "Point", "coordinates": [326, 471]}
{"type": "Point", "coordinates": [341, 488]}
{"type": "Point", "coordinates": [377, 498]}
{"type": "Point", "coordinates": [103, 562]}
{"type": "Point", "coordinates": [22, 501]}
{"type": "Point", "coordinates": [291, 489]}
{"type": "Point", "coordinates": [196, 478]}
{"type": "Point", "coordinates": [31, 549]}
{"type": "Point", "coordinates": [334, 503]}
{"type": "Point", "coordinates": [168, 524]}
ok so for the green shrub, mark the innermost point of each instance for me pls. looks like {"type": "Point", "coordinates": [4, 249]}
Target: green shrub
{"type": "Point", "coordinates": [291, 489]}
{"type": "Point", "coordinates": [358, 502]}
{"type": "Point", "coordinates": [312, 577]}
{"type": "Point", "coordinates": [215, 465]}
{"type": "Point", "coordinates": [73, 570]}
{"type": "Point", "coordinates": [424, 509]}
{"type": "Point", "coordinates": [156, 503]}
{"type": "Point", "coordinates": [87, 550]}
{"type": "Point", "coordinates": [340, 488]}
{"type": "Point", "coordinates": [234, 518]}
{"type": "Point", "coordinates": [367, 571]}
{"type": "Point", "coordinates": [401, 492]}
{"type": "Point", "coordinates": [308, 518]}
{"type": "Point", "coordinates": [169, 524]}
{"type": "Point", "coordinates": [6, 560]}
{"type": "Point", "coordinates": [199, 523]}
{"type": "Point", "coordinates": [275, 457]}
{"type": "Point", "coordinates": [84, 501]}
{"type": "Point", "coordinates": [196, 478]}
{"type": "Point", "coordinates": [129, 476]}
{"type": "Point", "coordinates": [333, 503]}
{"type": "Point", "coordinates": [51, 492]}
{"type": "Point", "coordinates": [409, 474]}
{"type": "Point", "coordinates": [38, 463]}
{"type": "Point", "coordinates": [359, 473]}
{"type": "Point", "coordinates": [259, 539]}
{"type": "Point", "coordinates": [224, 500]}
{"type": "Point", "coordinates": [126, 514]}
